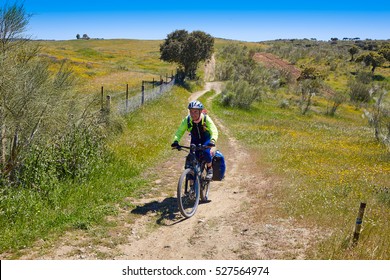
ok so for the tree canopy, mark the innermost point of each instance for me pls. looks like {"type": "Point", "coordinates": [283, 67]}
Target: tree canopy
{"type": "Point", "coordinates": [385, 51]}
{"type": "Point", "coordinates": [372, 58]}
{"type": "Point", "coordinates": [187, 50]}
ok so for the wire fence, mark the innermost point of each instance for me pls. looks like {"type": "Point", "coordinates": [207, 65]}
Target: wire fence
{"type": "Point", "coordinates": [121, 103]}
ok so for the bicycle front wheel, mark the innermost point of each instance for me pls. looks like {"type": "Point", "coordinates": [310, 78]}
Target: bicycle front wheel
{"type": "Point", "coordinates": [188, 193]}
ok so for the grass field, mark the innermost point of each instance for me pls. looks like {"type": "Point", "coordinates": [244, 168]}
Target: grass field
{"type": "Point", "coordinates": [328, 165]}
{"type": "Point", "coordinates": [111, 63]}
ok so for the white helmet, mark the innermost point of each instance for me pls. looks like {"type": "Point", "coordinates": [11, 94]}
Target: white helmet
{"type": "Point", "coordinates": [195, 105]}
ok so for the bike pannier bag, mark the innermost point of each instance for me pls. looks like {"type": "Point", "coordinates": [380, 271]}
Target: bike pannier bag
{"type": "Point", "coordinates": [219, 166]}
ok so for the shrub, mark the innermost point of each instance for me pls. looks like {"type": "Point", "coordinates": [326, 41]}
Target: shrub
{"type": "Point", "coordinates": [364, 77]}
{"type": "Point", "coordinates": [379, 118]}
{"type": "Point", "coordinates": [240, 94]}
{"type": "Point", "coordinates": [336, 99]}
{"type": "Point", "coordinates": [359, 92]}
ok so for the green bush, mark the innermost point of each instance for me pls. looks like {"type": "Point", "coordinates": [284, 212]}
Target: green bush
{"type": "Point", "coordinates": [239, 94]}
{"type": "Point", "coordinates": [359, 92]}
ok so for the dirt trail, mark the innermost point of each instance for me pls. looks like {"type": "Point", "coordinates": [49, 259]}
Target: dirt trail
{"type": "Point", "coordinates": [238, 222]}
{"type": "Point", "coordinates": [270, 60]}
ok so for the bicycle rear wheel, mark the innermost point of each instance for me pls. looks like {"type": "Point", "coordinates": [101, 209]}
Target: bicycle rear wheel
{"type": "Point", "coordinates": [188, 193]}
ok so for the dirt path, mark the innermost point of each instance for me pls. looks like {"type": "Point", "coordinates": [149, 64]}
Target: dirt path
{"type": "Point", "coordinates": [272, 61]}
{"type": "Point", "coordinates": [238, 223]}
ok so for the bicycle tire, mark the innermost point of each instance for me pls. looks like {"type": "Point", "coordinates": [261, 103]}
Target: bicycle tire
{"type": "Point", "coordinates": [187, 197]}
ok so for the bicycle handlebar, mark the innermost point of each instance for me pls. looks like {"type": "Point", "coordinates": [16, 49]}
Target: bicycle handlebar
{"type": "Point", "coordinates": [193, 147]}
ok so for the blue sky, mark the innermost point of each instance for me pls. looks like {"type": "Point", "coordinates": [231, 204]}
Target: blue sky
{"type": "Point", "coordinates": [240, 20]}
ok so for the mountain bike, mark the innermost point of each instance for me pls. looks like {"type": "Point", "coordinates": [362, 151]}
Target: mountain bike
{"type": "Point", "coordinates": [193, 186]}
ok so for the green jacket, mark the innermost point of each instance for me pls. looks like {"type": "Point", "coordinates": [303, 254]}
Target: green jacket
{"type": "Point", "coordinates": [187, 124]}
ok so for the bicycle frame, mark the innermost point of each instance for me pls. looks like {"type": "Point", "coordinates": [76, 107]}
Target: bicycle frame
{"type": "Point", "coordinates": [191, 181]}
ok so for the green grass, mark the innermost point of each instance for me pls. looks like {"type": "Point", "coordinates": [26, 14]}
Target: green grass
{"type": "Point", "coordinates": [329, 165]}
{"type": "Point", "coordinates": [145, 141]}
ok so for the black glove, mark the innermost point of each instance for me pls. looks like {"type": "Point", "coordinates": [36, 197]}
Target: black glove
{"type": "Point", "coordinates": [211, 144]}
{"type": "Point", "coordinates": [175, 144]}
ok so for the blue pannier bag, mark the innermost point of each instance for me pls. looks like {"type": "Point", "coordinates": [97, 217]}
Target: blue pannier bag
{"type": "Point", "coordinates": [219, 166]}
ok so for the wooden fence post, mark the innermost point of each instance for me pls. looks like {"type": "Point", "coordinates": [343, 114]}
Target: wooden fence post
{"type": "Point", "coordinates": [143, 94]}
{"type": "Point", "coordinates": [127, 97]}
{"type": "Point", "coordinates": [359, 221]}
{"type": "Point", "coordinates": [102, 98]}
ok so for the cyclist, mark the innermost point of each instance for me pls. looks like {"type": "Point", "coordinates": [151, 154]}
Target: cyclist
{"type": "Point", "coordinates": [203, 131]}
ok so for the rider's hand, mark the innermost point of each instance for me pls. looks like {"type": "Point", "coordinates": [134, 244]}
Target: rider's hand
{"type": "Point", "coordinates": [211, 144]}
{"type": "Point", "coordinates": [175, 144]}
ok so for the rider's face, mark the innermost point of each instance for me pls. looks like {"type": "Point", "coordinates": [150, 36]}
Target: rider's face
{"type": "Point", "coordinates": [195, 114]}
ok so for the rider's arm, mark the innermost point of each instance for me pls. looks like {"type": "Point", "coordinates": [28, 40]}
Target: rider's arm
{"type": "Point", "coordinates": [181, 130]}
{"type": "Point", "coordinates": [212, 129]}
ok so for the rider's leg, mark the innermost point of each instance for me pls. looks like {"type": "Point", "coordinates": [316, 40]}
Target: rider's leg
{"type": "Point", "coordinates": [208, 159]}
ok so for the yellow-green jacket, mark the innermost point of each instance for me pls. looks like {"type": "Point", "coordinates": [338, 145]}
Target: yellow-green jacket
{"type": "Point", "coordinates": [201, 133]}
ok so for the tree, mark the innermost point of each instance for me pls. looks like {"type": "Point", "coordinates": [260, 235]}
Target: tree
{"type": "Point", "coordinates": [78, 36]}
{"type": "Point", "coordinates": [371, 59]}
{"type": "Point", "coordinates": [13, 23]}
{"type": "Point", "coordinates": [352, 51]}
{"type": "Point", "coordinates": [187, 50]}
{"type": "Point", "coordinates": [333, 41]}
{"type": "Point", "coordinates": [385, 51]}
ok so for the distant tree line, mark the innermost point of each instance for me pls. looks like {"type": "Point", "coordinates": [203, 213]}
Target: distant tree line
{"type": "Point", "coordinates": [84, 37]}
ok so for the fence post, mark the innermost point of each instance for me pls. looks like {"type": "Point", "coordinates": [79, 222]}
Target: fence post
{"type": "Point", "coordinates": [108, 103]}
{"type": "Point", "coordinates": [359, 221]}
{"type": "Point", "coordinates": [102, 98]}
{"type": "Point", "coordinates": [143, 93]}
{"type": "Point", "coordinates": [127, 97]}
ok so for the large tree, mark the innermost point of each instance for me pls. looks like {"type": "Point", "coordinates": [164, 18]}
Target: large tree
{"type": "Point", "coordinates": [372, 58]}
{"type": "Point", "coordinates": [187, 50]}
